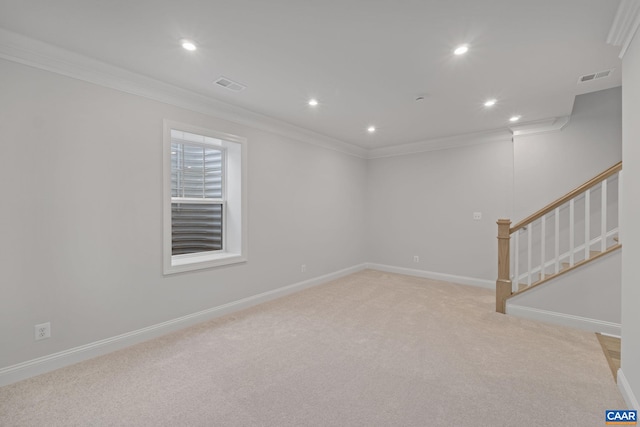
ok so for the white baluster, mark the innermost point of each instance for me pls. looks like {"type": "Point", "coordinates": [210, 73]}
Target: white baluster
{"type": "Point", "coordinates": [571, 231]}
{"type": "Point", "coordinates": [516, 266]}
{"type": "Point", "coordinates": [543, 232]}
{"type": "Point", "coordinates": [603, 207]}
{"type": "Point", "coordinates": [587, 224]}
{"type": "Point", "coordinates": [529, 234]}
{"type": "Point", "coordinates": [557, 240]}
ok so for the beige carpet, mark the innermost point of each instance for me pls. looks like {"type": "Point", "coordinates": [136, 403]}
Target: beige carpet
{"type": "Point", "coordinates": [371, 349]}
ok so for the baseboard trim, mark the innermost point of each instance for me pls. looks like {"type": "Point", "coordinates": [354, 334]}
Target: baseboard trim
{"type": "Point", "coordinates": [463, 280]}
{"type": "Point", "coordinates": [41, 365]}
{"type": "Point", "coordinates": [578, 322]}
{"type": "Point", "coordinates": [627, 393]}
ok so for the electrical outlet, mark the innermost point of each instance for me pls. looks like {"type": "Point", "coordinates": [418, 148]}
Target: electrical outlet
{"type": "Point", "coordinates": [477, 216]}
{"type": "Point", "coordinates": [303, 268]}
{"type": "Point", "coordinates": [416, 258]}
{"type": "Point", "coordinates": [43, 331]}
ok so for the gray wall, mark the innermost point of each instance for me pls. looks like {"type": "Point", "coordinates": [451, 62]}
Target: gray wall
{"type": "Point", "coordinates": [423, 204]}
{"type": "Point", "coordinates": [630, 214]}
{"type": "Point", "coordinates": [591, 292]}
{"type": "Point", "coordinates": [548, 165]}
{"type": "Point", "coordinates": [81, 218]}
{"type": "Point", "coordinates": [81, 221]}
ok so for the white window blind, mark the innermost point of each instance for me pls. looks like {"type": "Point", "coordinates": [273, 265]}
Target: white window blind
{"type": "Point", "coordinates": [197, 194]}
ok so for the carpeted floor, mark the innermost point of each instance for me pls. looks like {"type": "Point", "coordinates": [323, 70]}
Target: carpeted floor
{"type": "Point", "coordinates": [370, 349]}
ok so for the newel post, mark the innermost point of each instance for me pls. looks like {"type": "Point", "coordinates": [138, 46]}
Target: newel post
{"type": "Point", "coordinates": [503, 284]}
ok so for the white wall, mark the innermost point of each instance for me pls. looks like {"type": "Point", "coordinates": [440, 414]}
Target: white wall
{"type": "Point", "coordinates": [423, 204]}
{"type": "Point", "coordinates": [548, 165]}
{"type": "Point", "coordinates": [591, 293]}
{"type": "Point", "coordinates": [630, 213]}
{"type": "Point", "coordinates": [81, 222]}
{"type": "Point", "coordinates": [81, 217]}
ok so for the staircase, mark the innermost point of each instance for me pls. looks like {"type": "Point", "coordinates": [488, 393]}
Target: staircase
{"type": "Point", "coordinates": [570, 232]}
{"type": "Point", "coordinates": [611, 348]}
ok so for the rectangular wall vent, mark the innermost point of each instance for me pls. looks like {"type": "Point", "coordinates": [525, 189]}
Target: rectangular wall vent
{"type": "Point", "coordinates": [230, 84]}
{"type": "Point", "coordinates": [595, 76]}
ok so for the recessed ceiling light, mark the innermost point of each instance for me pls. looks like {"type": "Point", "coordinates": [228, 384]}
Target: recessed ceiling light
{"type": "Point", "coordinates": [188, 45]}
{"type": "Point", "coordinates": [514, 118]}
{"type": "Point", "coordinates": [461, 50]}
{"type": "Point", "coordinates": [313, 102]}
{"type": "Point", "coordinates": [371, 129]}
{"type": "Point", "coordinates": [490, 102]}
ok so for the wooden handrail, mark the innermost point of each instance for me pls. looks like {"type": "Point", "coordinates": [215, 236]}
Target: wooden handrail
{"type": "Point", "coordinates": [570, 195]}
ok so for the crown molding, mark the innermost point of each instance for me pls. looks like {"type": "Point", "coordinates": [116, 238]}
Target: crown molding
{"type": "Point", "coordinates": [27, 51]}
{"type": "Point", "coordinates": [444, 143]}
{"type": "Point", "coordinates": [549, 125]}
{"type": "Point", "coordinates": [625, 25]}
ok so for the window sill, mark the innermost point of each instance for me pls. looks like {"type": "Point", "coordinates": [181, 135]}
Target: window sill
{"type": "Point", "coordinates": [199, 262]}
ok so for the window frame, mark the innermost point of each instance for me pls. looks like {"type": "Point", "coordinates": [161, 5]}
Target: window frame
{"type": "Point", "coordinates": [234, 224]}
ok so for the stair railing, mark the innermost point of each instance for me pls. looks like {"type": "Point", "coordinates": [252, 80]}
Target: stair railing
{"type": "Point", "coordinates": [578, 228]}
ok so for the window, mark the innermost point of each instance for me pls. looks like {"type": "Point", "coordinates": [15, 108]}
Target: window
{"type": "Point", "coordinates": [204, 206]}
{"type": "Point", "coordinates": [197, 196]}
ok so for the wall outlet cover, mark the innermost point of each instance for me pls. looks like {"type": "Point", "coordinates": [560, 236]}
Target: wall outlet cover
{"type": "Point", "coordinates": [42, 331]}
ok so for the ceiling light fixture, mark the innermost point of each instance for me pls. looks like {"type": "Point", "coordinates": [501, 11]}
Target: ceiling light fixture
{"type": "Point", "coordinates": [371, 129]}
{"type": "Point", "coordinates": [461, 50]}
{"type": "Point", "coordinates": [313, 102]}
{"type": "Point", "coordinates": [514, 118]}
{"type": "Point", "coordinates": [188, 45]}
{"type": "Point", "coordinates": [490, 102]}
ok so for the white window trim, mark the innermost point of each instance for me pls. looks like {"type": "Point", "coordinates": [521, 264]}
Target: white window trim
{"type": "Point", "coordinates": [235, 220]}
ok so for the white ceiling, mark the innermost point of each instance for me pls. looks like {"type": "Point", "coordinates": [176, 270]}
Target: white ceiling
{"type": "Point", "coordinates": [364, 60]}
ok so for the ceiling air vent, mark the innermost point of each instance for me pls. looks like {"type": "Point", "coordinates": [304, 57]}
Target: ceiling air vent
{"type": "Point", "coordinates": [230, 84]}
{"type": "Point", "coordinates": [595, 76]}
